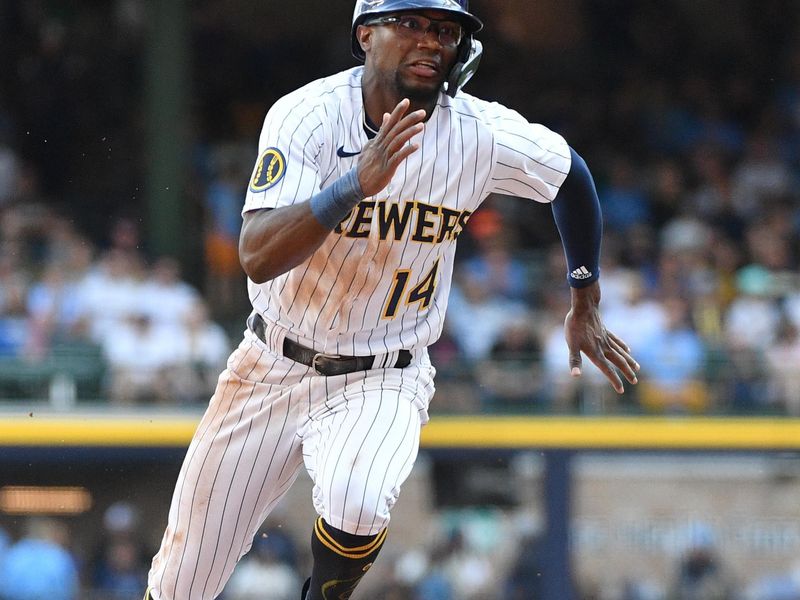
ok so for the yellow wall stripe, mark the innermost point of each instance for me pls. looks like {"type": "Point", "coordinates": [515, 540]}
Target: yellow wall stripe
{"type": "Point", "coordinates": [96, 430]}
{"type": "Point", "coordinates": [615, 432]}
{"type": "Point", "coordinates": [442, 432]}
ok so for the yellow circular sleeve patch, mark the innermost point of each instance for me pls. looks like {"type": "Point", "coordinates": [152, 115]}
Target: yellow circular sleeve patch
{"type": "Point", "coordinates": [269, 170]}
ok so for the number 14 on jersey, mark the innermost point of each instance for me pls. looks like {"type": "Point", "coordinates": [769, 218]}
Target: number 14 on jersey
{"type": "Point", "coordinates": [421, 293]}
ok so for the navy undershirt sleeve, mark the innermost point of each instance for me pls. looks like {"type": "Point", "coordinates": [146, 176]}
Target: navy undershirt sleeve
{"type": "Point", "coordinates": [577, 213]}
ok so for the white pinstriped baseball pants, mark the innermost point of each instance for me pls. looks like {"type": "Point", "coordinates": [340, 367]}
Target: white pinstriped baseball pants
{"type": "Point", "coordinates": [357, 434]}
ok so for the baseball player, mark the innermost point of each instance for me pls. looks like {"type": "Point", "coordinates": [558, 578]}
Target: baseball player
{"type": "Point", "coordinates": [363, 183]}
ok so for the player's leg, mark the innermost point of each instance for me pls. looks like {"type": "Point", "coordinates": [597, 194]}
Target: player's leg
{"type": "Point", "coordinates": [244, 456]}
{"type": "Point", "coordinates": [358, 453]}
{"type": "Point", "coordinates": [341, 559]}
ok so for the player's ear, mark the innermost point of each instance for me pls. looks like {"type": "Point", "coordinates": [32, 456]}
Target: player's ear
{"type": "Point", "coordinates": [364, 37]}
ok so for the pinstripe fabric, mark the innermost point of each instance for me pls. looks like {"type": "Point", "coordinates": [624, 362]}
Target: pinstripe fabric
{"type": "Point", "coordinates": [336, 300]}
{"type": "Point", "coordinates": [379, 284]}
{"type": "Point", "coordinates": [267, 416]}
{"type": "Point", "coordinates": [372, 437]}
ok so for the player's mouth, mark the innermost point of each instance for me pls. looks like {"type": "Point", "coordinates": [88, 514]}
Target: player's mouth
{"type": "Point", "coordinates": [427, 69]}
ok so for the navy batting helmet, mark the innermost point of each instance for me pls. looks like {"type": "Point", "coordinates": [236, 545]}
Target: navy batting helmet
{"type": "Point", "coordinates": [366, 9]}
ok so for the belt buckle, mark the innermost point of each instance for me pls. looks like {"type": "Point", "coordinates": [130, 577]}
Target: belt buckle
{"type": "Point", "coordinates": [321, 355]}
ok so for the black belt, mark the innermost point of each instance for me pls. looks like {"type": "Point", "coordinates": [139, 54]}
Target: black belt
{"type": "Point", "coordinates": [326, 364]}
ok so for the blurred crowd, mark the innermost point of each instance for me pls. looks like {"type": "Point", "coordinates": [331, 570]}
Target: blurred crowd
{"type": "Point", "coordinates": [149, 332]}
{"type": "Point", "coordinates": [693, 139]}
{"type": "Point", "coordinates": [691, 130]}
{"type": "Point", "coordinates": [477, 555]}
{"type": "Point", "coordinates": [43, 562]}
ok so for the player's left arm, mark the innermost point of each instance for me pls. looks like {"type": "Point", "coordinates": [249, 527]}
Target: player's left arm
{"type": "Point", "coordinates": [578, 216]}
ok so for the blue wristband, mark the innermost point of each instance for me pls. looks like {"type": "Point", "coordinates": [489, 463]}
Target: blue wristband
{"type": "Point", "coordinates": [333, 203]}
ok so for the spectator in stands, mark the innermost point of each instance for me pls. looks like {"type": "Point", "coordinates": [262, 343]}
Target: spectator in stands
{"type": "Point", "coordinates": [753, 316]}
{"type": "Point", "coordinates": [39, 566]}
{"type": "Point", "coordinates": [624, 202]}
{"type": "Point", "coordinates": [61, 243]}
{"type": "Point", "coordinates": [223, 204]}
{"type": "Point", "coordinates": [119, 568]}
{"type": "Point", "coordinates": [54, 306]}
{"type": "Point", "coordinates": [498, 265]}
{"type": "Point", "coordinates": [14, 322]}
{"type": "Point", "coordinates": [164, 297]}
{"type": "Point", "coordinates": [110, 292]}
{"type": "Point", "coordinates": [726, 258]}
{"type": "Point", "coordinates": [478, 316]}
{"type": "Point", "coordinates": [204, 349]}
{"type": "Point", "coordinates": [509, 378]}
{"type": "Point", "coordinates": [123, 575]}
{"type": "Point", "coordinates": [760, 177]}
{"type": "Point", "coordinates": [667, 190]}
{"type": "Point", "coordinates": [701, 574]}
{"type": "Point", "coordinates": [685, 244]}
{"type": "Point", "coordinates": [469, 572]}
{"type": "Point", "coordinates": [711, 197]}
{"type": "Point", "coordinates": [143, 357]}
{"type": "Point", "coordinates": [792, 305]}
{"type": "Point", "coordinates": [126, 238]}
{"type": "Point", "coordinates": [59, 257]}
{"type": "Point", "coordinates": [782, 360]}
{"type": "Point", "coordinates": [265, 573]}
{"type": "Point", "coordinates": [617, 276]}
{"type": "Point", "coordinates": [638, 315]}
{"type": "Point", "coordinates": [741, 379]}
{"type": "Point", "coordinates": [672, 380]}
{"type": "Point", "coordinates": [769, 241]}
{"type": "Point", "coordinates": [435, 583]}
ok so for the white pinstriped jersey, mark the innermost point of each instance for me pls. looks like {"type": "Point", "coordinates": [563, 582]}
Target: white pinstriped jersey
{"type": "Point", "coordinates": [381, 280]}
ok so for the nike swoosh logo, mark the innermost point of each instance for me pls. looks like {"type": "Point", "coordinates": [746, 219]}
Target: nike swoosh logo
{"type": "Point", "coordinates": [342, 153]}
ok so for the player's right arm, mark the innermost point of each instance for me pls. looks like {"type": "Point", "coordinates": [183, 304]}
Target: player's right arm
{"type": "Point", "coordinates": [275, 240]}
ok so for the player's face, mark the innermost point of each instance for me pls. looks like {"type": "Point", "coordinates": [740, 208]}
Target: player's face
{"type": "Point", "coordinates": [412, 52]}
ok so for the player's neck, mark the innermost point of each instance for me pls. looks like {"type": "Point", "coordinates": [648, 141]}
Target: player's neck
{"type": "Point", "coordinates": [375, 110]}
{"type": "Point", "coordinates": [380, 99]}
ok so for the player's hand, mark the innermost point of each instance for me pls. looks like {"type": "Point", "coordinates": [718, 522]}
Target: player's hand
{"type": "Point", "coordinates": [383, 154]}
{"type": "Point", "coordinates": [586, 334]}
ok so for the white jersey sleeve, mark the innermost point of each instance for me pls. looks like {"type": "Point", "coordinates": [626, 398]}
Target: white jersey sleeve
{"type": "Point", "coordinates": [530, 160]}
{"type": "Point", "coordinates": [287, 169]}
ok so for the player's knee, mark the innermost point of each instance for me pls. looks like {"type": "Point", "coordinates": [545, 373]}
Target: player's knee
{"type": "Point", "coordinates": [364, 513]}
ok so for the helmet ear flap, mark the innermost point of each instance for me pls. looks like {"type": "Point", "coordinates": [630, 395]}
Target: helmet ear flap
{"type": "Point", "coordinates": [469, 57]}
